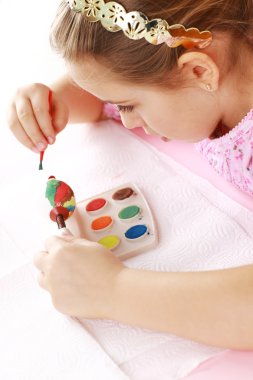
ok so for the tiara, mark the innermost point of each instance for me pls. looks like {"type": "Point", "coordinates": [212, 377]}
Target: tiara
{"type": "Point", "coordinates": [135, 25]}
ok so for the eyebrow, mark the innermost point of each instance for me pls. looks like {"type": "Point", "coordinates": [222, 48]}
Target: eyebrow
{"type": "Point", "coordinates": [119, 102]}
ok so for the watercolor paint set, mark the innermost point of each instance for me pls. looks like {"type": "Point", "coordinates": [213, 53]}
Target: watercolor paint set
{"type": "Point", "coordinates": [120, 219]}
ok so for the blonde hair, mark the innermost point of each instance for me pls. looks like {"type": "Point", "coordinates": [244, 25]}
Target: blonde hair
{"type": "Point", "coordinates": [74, 38]}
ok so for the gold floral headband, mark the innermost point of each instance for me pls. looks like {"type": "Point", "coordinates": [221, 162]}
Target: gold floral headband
{"type": "Point", "coordinates": [135, 25]}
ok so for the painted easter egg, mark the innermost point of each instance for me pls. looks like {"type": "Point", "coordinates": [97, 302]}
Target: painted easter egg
{"type": "Point", "coordinates": [61, 197]}
{"type": "Point", "coordinates": [60, 194]}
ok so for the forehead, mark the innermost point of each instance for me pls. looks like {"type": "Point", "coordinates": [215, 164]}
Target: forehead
{"type": "Point", "coordinates": [89, 71]}
{"type": "Point", "coordinates": [100, 81]}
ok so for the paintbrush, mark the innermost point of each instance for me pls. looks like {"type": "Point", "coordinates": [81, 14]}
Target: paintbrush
{"type": "Point", "coordinates": [50, 111]}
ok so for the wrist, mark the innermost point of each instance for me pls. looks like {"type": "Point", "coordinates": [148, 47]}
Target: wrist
{"type": "Point", "coordinates": [126, 301]}
{"type": "Point", "coordinates": [116, 300]}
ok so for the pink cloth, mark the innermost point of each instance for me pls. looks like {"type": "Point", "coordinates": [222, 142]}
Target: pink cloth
{"type": "Point", "coordinates": [232, 365]}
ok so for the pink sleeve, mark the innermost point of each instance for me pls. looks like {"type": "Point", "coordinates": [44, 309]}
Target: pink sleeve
{"type": "Point", "coordinates": [231, 154]}
{"type": "Point", "coordinates": [111, 112]}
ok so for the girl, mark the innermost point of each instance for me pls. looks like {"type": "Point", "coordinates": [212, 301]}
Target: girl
{"type": "Point", "coordinates": [192, 61]}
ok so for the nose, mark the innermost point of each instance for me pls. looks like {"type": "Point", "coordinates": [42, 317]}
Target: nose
{"type": "Point", "coordinates": [130, 121]}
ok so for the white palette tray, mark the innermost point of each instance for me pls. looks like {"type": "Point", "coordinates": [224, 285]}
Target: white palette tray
{"type": "Point", "coordinates": [119, 219]}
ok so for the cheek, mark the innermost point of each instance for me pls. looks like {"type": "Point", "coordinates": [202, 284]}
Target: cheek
{"type": "Point", "coordinates": [179, 124]}
{"type": "Point", "coordinates": [159, 119]}
{"type": "Point", "coordinates": [190, 116]}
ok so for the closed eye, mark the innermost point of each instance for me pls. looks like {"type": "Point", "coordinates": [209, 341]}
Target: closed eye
{"type": "Point", "coordinates": [125, 108]}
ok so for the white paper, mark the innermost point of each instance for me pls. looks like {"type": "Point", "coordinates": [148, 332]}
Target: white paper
{"type": "Point", "coordinates": [199, 229]}
{"type": "Point", "coordinates": [38, 343]}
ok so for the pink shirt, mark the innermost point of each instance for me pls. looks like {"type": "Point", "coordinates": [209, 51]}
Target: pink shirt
{"type": "Point", "coordinates": [229, 155]}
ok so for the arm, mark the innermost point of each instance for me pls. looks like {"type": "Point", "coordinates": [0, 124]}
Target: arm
{"type": "Point", "coordinates": [213, 307]}
{"type": "Point", "coordinates": [83, 107]}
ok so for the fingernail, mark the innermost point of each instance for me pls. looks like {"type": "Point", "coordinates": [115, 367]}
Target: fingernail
{"type": "Point", "coordinates": [41, 146]}
{"type": "Point", "coordinates": [35, 150]}
{"type": "Point", "coordinates": [50, 139]}
{"type": "Point", "coordinates": [165, 139]}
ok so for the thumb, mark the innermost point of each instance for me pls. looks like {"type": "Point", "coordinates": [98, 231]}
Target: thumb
{"type": "Point", "coordinates": [59, 113]}
{"type": "Point", "coordinates": [55, 242]}
{"type": "Point", "coordinates": [66, 233]}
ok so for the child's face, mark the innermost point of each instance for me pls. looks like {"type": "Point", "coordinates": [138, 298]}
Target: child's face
{"type": "Point", "coordinates": [189, 114]}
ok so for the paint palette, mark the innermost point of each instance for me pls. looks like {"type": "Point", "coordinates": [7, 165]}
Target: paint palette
{"type": "Point", "coordinates": [120, 219]}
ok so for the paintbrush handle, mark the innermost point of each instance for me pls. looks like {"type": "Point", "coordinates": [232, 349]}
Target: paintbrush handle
{"type": "Point", "coordinates": [50, 94]}
{"type": "Point", "coordinates": [62, 229]}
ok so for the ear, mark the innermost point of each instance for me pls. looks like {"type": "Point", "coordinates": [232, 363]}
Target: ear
{"type": "Point", "coordinates": [199, 69]}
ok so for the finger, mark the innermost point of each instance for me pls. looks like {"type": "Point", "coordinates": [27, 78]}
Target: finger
{"type": "Point", "coordinates": [29, 123]}
{"type": "Point", "coordinates": [60, 114]}
{"type": "Point", "coordinates": [57, 242]}
{"type": "Point", "coordinates": [17, 129]}
{"type": "Point", "coordinates": [41, 278]}
{"type": "Point", "coordinates": [40, 260]}
{"type": "Point", "coordinates": [42, 111]}
{"type": "Point", "coordinates": [63, 243]}
{"type": "Point", "coordinates": [53, 243]}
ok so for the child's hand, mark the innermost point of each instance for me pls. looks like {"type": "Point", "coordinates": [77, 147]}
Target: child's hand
{"type": "Point", "coordinates": [80, 275]}
{"type": "Point", "coordinates": [33, 119]}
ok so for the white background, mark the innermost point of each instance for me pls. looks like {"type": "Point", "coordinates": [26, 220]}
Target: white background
{"type": "Point", "coordinates": [26, 57]}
